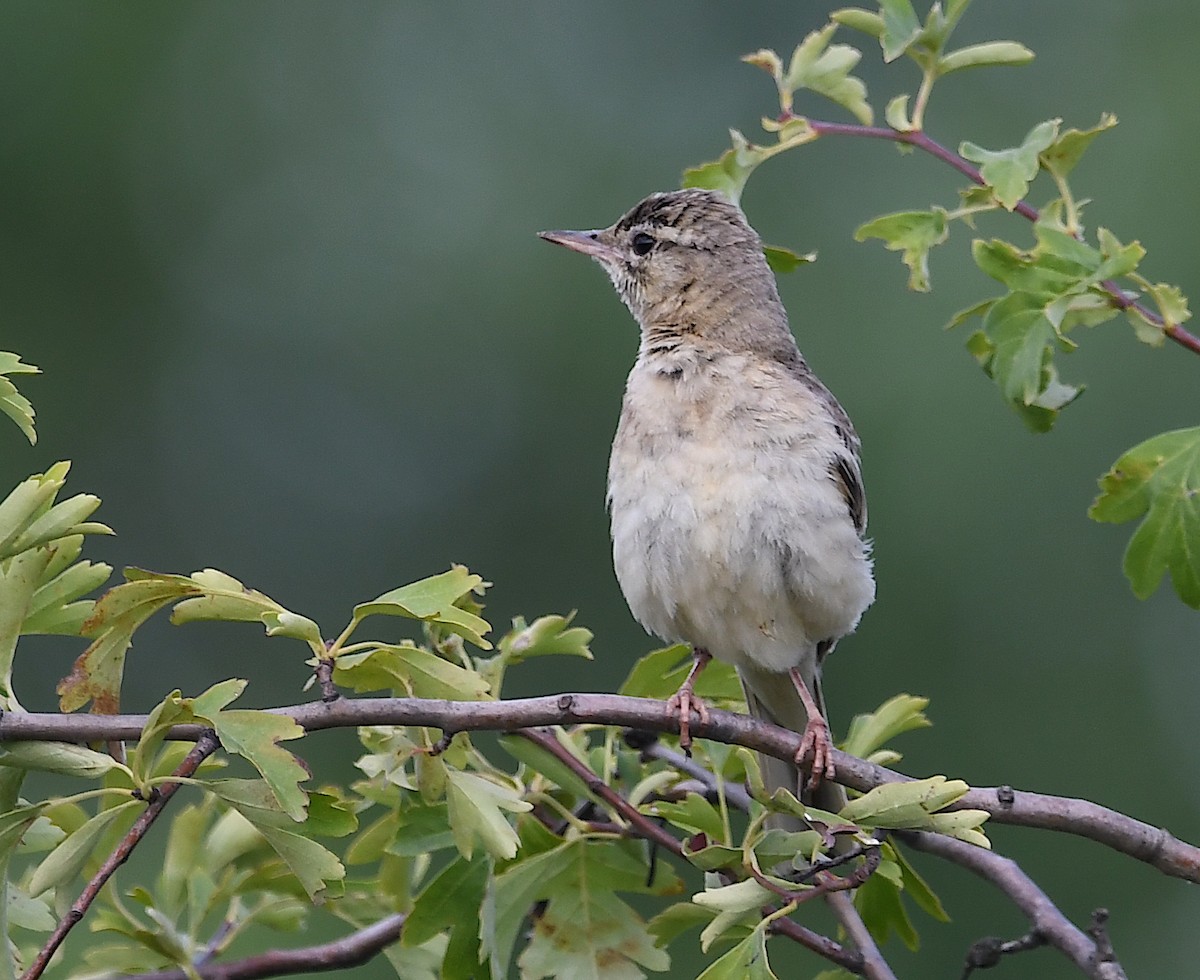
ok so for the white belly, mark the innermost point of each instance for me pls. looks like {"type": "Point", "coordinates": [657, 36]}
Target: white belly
{"type": "Point", "coordinates": [729, 531]}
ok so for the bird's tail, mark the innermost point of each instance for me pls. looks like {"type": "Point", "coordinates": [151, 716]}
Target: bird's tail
{"type": "Point", "coordinates": [772, 697]}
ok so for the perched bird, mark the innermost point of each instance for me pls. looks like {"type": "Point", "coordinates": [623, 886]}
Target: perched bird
{"type": "Point", "coordinates": [734, 485]}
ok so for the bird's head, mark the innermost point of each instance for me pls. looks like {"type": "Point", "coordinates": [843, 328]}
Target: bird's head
{"type": "Point", "coordinates": [683, 261]}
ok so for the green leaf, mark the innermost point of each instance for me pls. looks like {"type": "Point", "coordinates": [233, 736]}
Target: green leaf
{"type": "Point", "coordinates": [433, 600]}
{"type": "Point", "coordinates": [586, 930]}
{"type": "Point", "coordinates": [57, 607]}
{"type": "Point", "coordinates": [58, 757]}
{"type": "Point", "coordinates": [982, 55]}
{"type": "Point", "coordinates": [410, 670]}
{"type": "Point", "coordinates": [693, 814]}
{"type": "Point", "coordinates": [896, 114]}
{"type": "Point", "coordinates": [1172, 307]}
{"type": "Point", "coordinates": [914, 805]}
{"type": "Point", "coordinates": [545, 637]}
{"type": "Point", "coordinates": [255, 736]}
{"type": "Point", "coordinates": [68, 859]}
{"type": "Point", "coordinates": [878, 902]}
{"type": "Point", "coordinates": [226, 599]}
{"type": "Point", "coordinates": [870, 732]}
{"type": "Point", "coordinates": [476, 813]}
{"type": "Point", "coordinates": [677, 919]}
{"type": "Point", "coordinates": [12, 403]}
{"type": "Point", "coordinates": [660, 672]}
{"type": "Point", "coordinates": [823, 68]}
{"type": "Point", "coordinates": [34, 914]}
{"type": "Point", "coordinates": [857, 19]}
{"type": "Point", "coordinates": [784, 260]}
{"type": "Point", "coordinates": [900, 28]}
{"type": "Point", "coordinates": [730, 171]}
{"type": "Point", "coordinates": [96, 675]}
{"type": "Point", "coordinates": [1065, 152]}
{"type": "Point", "coordinates": [912, 232]}
{"type": "Point", "coordinates": [916, 887]}
{"type": "Point", "coordinates": [1021, 335]}
{"type": "Point", "coordinates": [746, 961]}
{"type": "Point", "coordinates": [1008, 172]}
{"type": "Point", "coordinates": [422, 830]}
{"type": "Point", "coordinates": [172, 710]}
{"type": "Point", "coordinates": [546, 763]}
{"type": "Point", "coordinates": [1159, 478]}
{"type": "Point", "coordinates": [450, 901]}
{"type": "Point", "coordinates": [314, 865]}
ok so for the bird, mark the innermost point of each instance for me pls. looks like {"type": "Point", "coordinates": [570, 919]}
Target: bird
{"type": "Point", "coordinates": [735, 488]}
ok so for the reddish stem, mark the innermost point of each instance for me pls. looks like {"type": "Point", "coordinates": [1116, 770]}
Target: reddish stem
{"type": "Point", "coordinates": [923, 141]}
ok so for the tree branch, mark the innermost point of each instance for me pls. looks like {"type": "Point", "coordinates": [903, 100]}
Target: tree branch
{"type": "Point", "coordinates": [352, 950]}
{"type": "Point", "coordinates": [1152, 845]}
{"type": "Point", "coordinates": [1093, 958]}
{"type": "Point", "coordinates": [922, 141]}
{"type": "Point", "coordinates": [205, 746]}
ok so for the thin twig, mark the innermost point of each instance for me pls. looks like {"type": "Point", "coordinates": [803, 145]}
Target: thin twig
{"type": "Point", "coordinates": [735, 793]}
{"type": "Point", "coordinates": [1048, 922]}
{"type": "Point", "coordinates": [352, 950]}
{"type": "Point", "coordinates": [648, 829]}
{"type": "Point", "coordinates": [204, 747]}
{"type": "Point", "coordinates": [843, 956]}
{"type": "Point", "coordinates": [875, 967]}
{"type": "Point", "coordinates": [1145, 842]}
{"type": "Point", "coordinates": [644, 826]}
{"type": "Point", "coordinates": [922, 141]}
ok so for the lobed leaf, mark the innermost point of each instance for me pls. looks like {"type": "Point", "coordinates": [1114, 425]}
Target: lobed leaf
{"type": "Point", "coordinates": [434, 600]}
{"type": "Point", "coordinates": [1158, 480]}
{"type": "Point", "coordinates": [1008, 172]}
{"type": "Point", "coordinates": [545, 636]}
{"type": "Point", "coordinates": [1061, 156]}
{"type": "Point", "coordinates": [476, 814]}
{"type": "Point", "coordinates": [255, 736]}
{"type": "Point", "coordinates": [12, 403]}
{"type": "Point", "coordinates": [913, 233]}
{"type": "Point", "coordinates": [870, 732]}
{"type": "Point", "coordinates": [825, 68]}
{"type": "Point", "coordinates": [730, 171]}
{"type": "Point", "coordinates": [746, 961]}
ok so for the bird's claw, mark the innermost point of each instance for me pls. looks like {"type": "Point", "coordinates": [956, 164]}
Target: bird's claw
{"type": "Point", "coordinates": [816, 752]}
{"type": "Point", "coordinates": [682, 703]}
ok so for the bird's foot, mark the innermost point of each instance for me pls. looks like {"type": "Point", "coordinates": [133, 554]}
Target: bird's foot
{"type": "Point", "coordinates": [684, 701]}
{"type": "Point", "coordinates": [816, 751]}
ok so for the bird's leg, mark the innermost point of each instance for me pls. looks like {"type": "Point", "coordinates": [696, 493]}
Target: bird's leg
{"type": "Point", "coordinates": [816, 739]}
{"type": "Point", "coordinates": [684, 701]}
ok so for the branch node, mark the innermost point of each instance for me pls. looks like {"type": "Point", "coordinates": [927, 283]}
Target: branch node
{"type": "Point", "coordinates": [324, 675]}
{"type": "Point", "coordinates": [987, 952]}
{"type": "Point", "coordinates": [566, 703]}
{"type": "Point", "coordinates": [1006, 796]}
{"type": "Point", "coordinates": [1098, 930]}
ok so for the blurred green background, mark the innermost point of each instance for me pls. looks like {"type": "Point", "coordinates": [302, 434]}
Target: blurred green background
{"type": "Point", "coordinates": [278, 264]}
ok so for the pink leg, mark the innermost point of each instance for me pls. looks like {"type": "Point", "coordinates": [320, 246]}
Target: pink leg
{"type": "Point", "coordinates": [816, 740]}
{"type": "Point", "coordinates": [684, 701]}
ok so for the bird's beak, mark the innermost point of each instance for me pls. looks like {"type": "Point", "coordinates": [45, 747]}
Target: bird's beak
{"type": "Point", "coordinates": [587, 242]}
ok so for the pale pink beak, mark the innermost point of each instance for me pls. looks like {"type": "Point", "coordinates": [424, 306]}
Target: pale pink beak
{"type": "Point", "coordinates": [587, 242]}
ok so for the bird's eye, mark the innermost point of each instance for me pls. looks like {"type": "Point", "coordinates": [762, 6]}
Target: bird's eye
{"type": "Point", "coordinates": [642, 243]}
